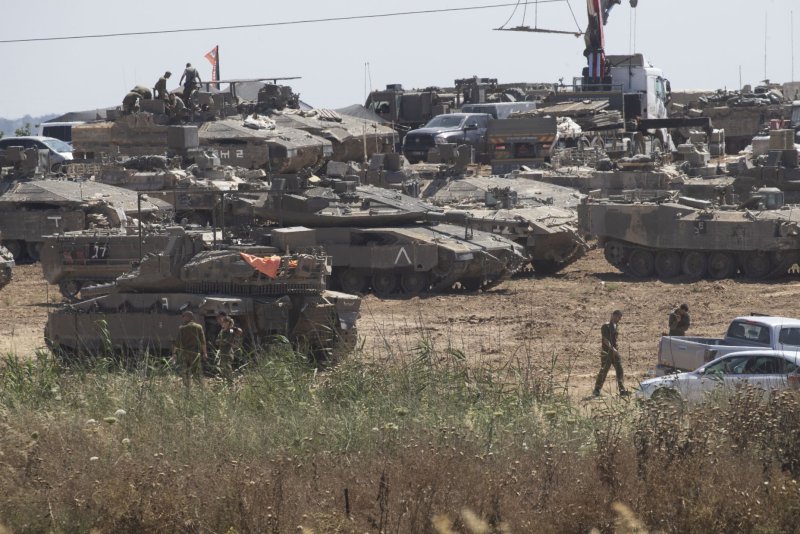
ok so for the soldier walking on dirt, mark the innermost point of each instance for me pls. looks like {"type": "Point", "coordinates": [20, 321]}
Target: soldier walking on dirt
{"type": "Point", "coordinates": [609, 355]}
{"type": "Point", "coordinates": [229, 340]}
{"type": "Point", "coordinates": [679, 320]}
{"type": "Point", "coordinates": [190, 350]}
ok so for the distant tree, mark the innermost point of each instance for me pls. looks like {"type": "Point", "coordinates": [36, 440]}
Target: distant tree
{"type": "Point", "coordinates": [25, 130]}
{"type": "Point", "coordinates": [2, 134]}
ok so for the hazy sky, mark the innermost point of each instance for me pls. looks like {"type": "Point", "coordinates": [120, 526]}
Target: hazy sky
{"type": "Point", "coordinates": [697, 43]}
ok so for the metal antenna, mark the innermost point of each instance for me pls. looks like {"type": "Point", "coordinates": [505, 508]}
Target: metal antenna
{"type": "Point", "coordinates": [765, 46]}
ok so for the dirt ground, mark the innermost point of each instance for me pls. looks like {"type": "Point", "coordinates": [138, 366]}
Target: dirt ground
{"type": "Point", "coordinates": [554, 320]}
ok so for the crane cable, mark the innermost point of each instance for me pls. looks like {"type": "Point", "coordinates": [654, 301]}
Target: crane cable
{"type": "Point", "coordinates": [270, 24]}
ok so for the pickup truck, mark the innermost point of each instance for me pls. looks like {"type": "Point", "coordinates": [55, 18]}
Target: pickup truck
{"type": "Point", "coordinates": [469, 128]}
{"type": "Point", "coordinates": [744, 333]}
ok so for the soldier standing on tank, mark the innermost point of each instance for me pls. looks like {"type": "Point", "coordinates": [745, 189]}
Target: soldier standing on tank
{"type": "Point", "coordinates": [679, 320]}
{"type": "Point", "coordinates": [609, 355]}
{"type": "Point", "coordinates": [160, 88]}
{"type": "Point", "coordinates": [229, 340]}
{"type": "Point", "coordinates": [190, 79]}
{"type": "Point", "coordinates": [190, 350]}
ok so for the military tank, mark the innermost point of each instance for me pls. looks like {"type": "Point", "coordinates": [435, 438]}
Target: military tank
{"type": "Point", "coordinates": [31, 210]}
{"type": "Point", "coordinates": [193, 184]}
{"type": "Point", "coordinates": [549, 230]}
{"type": "Point", "coordinates": [268, 131]}
{"type": "Point", "coordinates": [378, 241]}
{"type": "Point", "coordinates": [692, 238]}
{"type": "Point", "coordinates": [268, 294]}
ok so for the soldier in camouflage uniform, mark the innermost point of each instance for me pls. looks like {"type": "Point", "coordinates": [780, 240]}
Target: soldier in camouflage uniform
{"type": "Point", "coordinates": [679, 320]}
{"type": "Point", "coordinates": [228, 343]}
{"type": "Point", "coordinates": [609, 355]}
{"type": "Point", "coordinates": [190, 350]}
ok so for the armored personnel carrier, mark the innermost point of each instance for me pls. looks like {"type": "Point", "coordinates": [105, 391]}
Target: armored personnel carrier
{"type": "Point", "coordinates": [377, 238]}
{"type": "Point", "coordinates": [267, 293]}
{"type": "Point", "coordinates": [74, 260]}
{"type": "Point", "coordinates": [691, 238]}
{"type": "Point", "coordinates": [31, 210]}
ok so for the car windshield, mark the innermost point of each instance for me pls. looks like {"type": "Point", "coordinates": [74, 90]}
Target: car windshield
{"type": "Point", "coordinates": [57, 145]}
{"type": "Point", "coordinates": [751, 332]}
{"type": "Point", "coordinates": [445, 121]}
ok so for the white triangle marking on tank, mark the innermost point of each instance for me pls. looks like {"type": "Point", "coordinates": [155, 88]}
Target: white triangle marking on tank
{"type": "Point", "coordinates": [402, 252]}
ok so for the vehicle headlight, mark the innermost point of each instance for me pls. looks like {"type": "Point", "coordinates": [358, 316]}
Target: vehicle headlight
{"type": "Point", "coordinates": [440, 139]}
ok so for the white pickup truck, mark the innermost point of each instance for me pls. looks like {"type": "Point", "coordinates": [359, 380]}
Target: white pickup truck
{"type": "Point", "coordinates": [744, 333]}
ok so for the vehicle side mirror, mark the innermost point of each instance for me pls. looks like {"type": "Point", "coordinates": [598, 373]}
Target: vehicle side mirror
{"type": "Point", "coordinates": [471, 126]}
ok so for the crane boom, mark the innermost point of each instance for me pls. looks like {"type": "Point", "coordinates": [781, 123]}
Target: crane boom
{"type": "Point", "coordinates": [594, 37]}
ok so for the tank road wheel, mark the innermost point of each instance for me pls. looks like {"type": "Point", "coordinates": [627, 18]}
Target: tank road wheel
{"type": "Point", "coordinates": [34, 250]}
{"type": "Point", "coordinates": [413, 283]}
{"type": "Point", "coordinates": [721, 265]}
{"type": "Point", "coordinates": [668, 264]}
{"type": "Point", "coordinates": [352, 281]}
{"type": "Point", "coordinates": [614, 251]}
{"type": "Point", "coordinates": [694, 265]}
{"type": "Point", "coordinates": [756, 265]}
{"type": "Point", "coordinates": [70, 289]}
{"type": "Point", "coordinates": [641, 264]}
{"type": "Point", "coordinates": [384, 283]}
{"type": "Point", "coordinates": [15, 247]}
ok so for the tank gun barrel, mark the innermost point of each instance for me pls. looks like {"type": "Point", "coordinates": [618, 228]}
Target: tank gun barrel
{"type": "Point", "coordinates": [465, 218]}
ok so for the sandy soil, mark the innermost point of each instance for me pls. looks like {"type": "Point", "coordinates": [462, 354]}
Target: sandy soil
{"type": "Point", "coordinates": [554, 320]}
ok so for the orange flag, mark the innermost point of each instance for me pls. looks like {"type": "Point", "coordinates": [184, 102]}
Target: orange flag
{"type": "Point", "coordinates": [268, 265]}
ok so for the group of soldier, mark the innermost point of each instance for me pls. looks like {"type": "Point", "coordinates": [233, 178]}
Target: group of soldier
{"type": "Point", "coordinates": [175, 106]}
{"type": "Point", "coordinates": [679, 322]}
{"type": "Point", "coordinates": [191, 352]}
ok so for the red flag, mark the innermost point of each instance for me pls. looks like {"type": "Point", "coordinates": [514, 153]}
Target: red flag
{"type": "Point", "coordinates": [213, 58]}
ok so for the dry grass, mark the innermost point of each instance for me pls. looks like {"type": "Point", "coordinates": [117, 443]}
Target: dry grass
{"type": "Point", "coordinates": [427, 444]}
